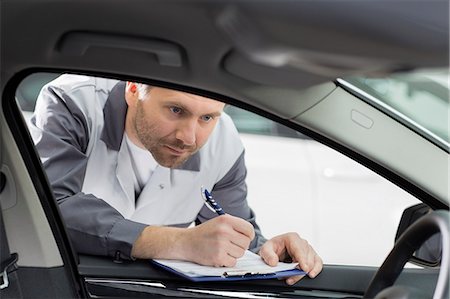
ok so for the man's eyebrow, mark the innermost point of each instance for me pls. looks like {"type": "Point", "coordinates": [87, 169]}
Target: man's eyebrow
{"type": "Point", "coordinates": [180, 105]}
{"type": "Point", "coordinates": [175, 103]}
{"type": "Point", "coordinates": [214, 114]}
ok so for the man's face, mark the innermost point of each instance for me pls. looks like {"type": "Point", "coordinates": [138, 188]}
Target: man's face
{"type": "Point", "coordinates": [174, 125]}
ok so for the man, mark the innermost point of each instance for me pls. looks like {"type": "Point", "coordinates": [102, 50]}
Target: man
{"type": "Point", "coordinates": [126, 162]}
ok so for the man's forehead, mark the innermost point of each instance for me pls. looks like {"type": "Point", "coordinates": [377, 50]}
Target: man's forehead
{"type": "Point", "coordinates": [170, 95]}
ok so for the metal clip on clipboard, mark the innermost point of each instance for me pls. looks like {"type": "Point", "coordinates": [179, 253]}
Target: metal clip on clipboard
{"type": "Point", "coordinates": [243, 274]}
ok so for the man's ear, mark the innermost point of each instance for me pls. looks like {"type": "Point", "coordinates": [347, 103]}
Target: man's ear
{"type": "Point", "coordinates": [131, 93]}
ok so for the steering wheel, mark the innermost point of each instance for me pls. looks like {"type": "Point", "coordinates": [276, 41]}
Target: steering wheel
{"type": "Point", "coordinates": [406, 245]}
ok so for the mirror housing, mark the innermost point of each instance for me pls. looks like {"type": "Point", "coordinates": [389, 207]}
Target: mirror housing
{"type": "Point", "coordinates": [429, 254]}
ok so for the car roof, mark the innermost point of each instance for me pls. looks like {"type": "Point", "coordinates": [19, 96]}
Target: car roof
{"type": "Point", "coordinates": [244, 43]}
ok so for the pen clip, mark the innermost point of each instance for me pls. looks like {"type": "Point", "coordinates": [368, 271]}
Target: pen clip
{"type": "Point", "coordinates": [205, 199]}
{"type": "Point", "coordinates": [210, 202]}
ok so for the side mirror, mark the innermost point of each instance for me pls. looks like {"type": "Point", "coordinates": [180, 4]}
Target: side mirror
{"type": "Point", "coordinates": [429, 254]}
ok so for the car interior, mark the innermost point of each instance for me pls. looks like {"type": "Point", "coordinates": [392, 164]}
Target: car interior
{"type": "Point", "coordinates": [284, 62]}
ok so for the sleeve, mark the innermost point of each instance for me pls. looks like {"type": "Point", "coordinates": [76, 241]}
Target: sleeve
{"type": "Point", "coordinates": [231, 193]}
{"type": "Point", "coordinates": [61, 135]}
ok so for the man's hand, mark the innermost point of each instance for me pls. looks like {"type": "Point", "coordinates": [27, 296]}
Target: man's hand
{"type": "Point", "coordinates": [291, 247]}
{"type": "Point", "coordinates": [217, 242]}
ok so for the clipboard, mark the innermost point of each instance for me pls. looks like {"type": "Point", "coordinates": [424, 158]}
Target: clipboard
{"type": "Point", "coordinates": [249, 267]}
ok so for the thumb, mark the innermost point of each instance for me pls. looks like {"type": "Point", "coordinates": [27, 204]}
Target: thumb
{"type": "Point", "coordinates": [268, 254]}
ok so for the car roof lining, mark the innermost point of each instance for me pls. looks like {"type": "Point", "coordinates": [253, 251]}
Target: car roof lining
{"type": "Point", "coordinates": [205, 43]}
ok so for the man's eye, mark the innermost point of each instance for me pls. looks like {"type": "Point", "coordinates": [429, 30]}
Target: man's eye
{"type": "Point", "coordinates": [176, 110]}
{"type": "Point", "coordinates": [207, 118]}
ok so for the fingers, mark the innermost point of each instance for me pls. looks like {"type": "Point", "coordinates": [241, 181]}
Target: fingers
{"type": "Point", "coordinates": [236, 230]}
{"type": "Point", "coordinates": [317, 268]}
{"type": "Point", "coordinates": [243, 227]}
{"type": "Point", "coordinates": [309, 261]}
{"type": "Point", "coordinates": [235, 251]}
{"type": "Point", "coordinates": [301, 252]}
{"type": "Point", "coordinates": [226, 261]}
{"type": "Point", "coordinates": [268, 254]}
{"type": "Point", "coordinates": [223, 240]}
{"type": "Point", "coordinates": [294, 279]}
{"type": "Point", "coordinates": [229, 255]}
{"type": "Point", "coordinates": [304, 255]}
{"type": "Point", "coordinates": [295, 247]}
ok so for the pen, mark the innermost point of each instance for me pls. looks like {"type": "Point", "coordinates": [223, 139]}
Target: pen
{"type": "Point", "coordinates": [211, 203]}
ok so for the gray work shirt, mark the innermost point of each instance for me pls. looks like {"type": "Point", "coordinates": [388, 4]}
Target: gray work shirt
{"type": "Point", "coordinates": [78, 128]}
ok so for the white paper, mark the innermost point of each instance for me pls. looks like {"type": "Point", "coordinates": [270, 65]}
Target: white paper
{"type": "Point", "coordinates": [250, 263]}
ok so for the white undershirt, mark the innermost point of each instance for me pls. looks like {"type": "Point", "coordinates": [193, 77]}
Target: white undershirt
{"type": "Point", "coordinates": [143, 164]}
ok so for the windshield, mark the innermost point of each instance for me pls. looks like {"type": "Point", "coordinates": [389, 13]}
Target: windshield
{"type": "Point", "coordinates": [419, 99]}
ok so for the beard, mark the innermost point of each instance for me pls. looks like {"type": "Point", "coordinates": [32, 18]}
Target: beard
{"type": "Point", "coordinates": [160, 146]}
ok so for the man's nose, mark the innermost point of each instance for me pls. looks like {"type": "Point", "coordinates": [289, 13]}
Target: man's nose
{"type": "Point", "coordinates": [186, 132]}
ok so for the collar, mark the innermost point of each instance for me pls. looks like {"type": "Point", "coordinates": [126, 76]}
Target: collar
{"type": "Point", "coordinates": [114, 114]}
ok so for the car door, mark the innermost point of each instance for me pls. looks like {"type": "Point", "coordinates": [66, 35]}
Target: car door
{"type": "Point", "coordinates": [179, 45]}
{"type": "Point", "coordinates": [37, 260]}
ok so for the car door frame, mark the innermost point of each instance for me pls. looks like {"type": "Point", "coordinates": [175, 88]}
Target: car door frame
{"type": "Point", "coordinates": [86, 271]}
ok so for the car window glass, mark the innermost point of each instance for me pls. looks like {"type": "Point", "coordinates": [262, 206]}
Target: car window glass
{"type": "Point", "coordinates": [420, 99]}
{"type": "Point", "coordinates": [347, 212]}
{"type": "Point", "coordinates": [252, 123]}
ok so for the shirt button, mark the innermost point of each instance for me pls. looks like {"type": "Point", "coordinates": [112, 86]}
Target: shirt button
{"type": "Point", "coordinates": [161, 186]}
